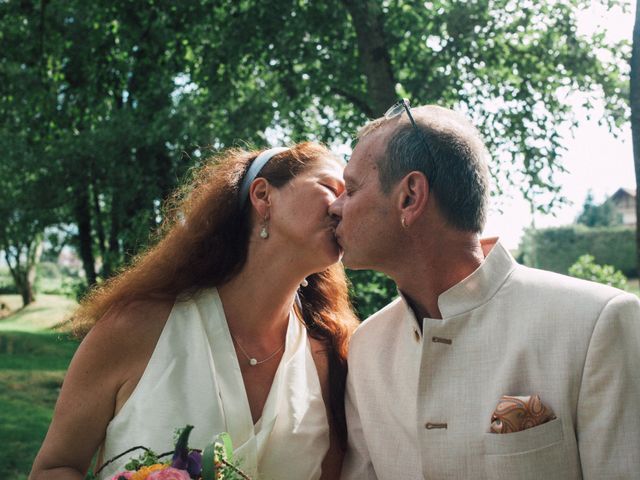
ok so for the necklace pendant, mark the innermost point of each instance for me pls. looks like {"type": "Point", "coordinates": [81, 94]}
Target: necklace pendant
{"type": "Point", "coordinates": [253, 362]}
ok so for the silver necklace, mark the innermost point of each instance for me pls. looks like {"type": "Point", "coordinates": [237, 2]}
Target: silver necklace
{"type": "Point", "coordinates": [252, 360]}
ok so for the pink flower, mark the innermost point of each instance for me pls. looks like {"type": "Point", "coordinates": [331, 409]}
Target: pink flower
{"type": "Point", "coordinates": [121, 475]}
{"type": "Point", "coordinates": [169, 474]}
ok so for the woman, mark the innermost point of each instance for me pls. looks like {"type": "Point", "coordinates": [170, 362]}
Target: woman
{"type": "Point", "coordinates": [209, 328]}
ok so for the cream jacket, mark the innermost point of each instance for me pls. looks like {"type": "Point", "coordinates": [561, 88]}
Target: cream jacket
{"type": "Point", "coordinates": [419, 403]}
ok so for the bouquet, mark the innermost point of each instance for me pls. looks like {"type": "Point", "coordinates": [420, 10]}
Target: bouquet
{"type": "Point", "coordinates": [215, 462]}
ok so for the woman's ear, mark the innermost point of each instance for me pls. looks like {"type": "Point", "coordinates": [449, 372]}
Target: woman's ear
{"type": "Point", "coordinates": [260, 196]}
{"type": "Point", "coordinates": [413, 196]}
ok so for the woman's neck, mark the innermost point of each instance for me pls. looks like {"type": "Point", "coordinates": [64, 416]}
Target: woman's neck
{"type": "Point", "coordinates": [259, 298]}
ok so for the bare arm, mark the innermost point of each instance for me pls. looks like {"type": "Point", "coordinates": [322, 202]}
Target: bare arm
{"type": "Point", "coordinates": [103, 373]}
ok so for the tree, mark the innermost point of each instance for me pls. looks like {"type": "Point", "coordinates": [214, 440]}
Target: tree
{"type": "Point", "coordinates": [28, 201]}
{"type": "Point", "coordinates": [508, 64]}
{"type": "Point", "coordinates": [114, 121]}
{"type": "Point", "coordinates": [594, 215]}
{"type": "Point", "coordinates": [24, 216]}
{"type": "Point", "coordinates": [130, 91]}
{"type": "Point", "coordinates": [634, 99]}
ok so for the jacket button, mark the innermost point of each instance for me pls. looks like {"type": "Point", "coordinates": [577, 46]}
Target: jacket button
{"type": "Point", "coordinates": [432, 426]}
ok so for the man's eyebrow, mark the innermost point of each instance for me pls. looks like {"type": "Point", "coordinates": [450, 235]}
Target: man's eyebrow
{"type": "Point", "coordinates": [348, 179]}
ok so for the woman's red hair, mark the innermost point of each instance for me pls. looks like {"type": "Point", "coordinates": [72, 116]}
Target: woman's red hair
{"type": "Point", "coordinates": [203, 243]}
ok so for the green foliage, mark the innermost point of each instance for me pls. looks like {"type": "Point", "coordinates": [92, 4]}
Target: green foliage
{"type": "Point", "coordinates": [105, 105]}
{"type": "Point", "coordinates": [587, 269]}
{"type": "Point", "coordinates": [594, 215]}
{"type": "Point", "coordinates": [48, 270]}
{"type": "Point", "coordinates": [74, 288]}
{"type": "Point", "coordinates": [556, 249]}
{"type": "Point", "coordinates": [370, 291]}
{"type": "Point", "coordinates": [146, 459]}
{"type": "Point", "coordinates": [7, 286]}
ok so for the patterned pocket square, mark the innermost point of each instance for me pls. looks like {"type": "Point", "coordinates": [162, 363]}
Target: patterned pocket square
{"type": "Point", "coordinates": [514, 414]}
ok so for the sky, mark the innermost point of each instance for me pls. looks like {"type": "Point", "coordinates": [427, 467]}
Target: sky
{"type": "Point", "coordinates": [595, 159]}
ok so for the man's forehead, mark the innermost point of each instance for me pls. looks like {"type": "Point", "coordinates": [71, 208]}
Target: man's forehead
{"type": "Point", "coordinates": [368, 151]}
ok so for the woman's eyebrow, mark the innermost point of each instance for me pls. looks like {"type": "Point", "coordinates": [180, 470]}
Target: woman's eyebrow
{"type": "Point", "coordinates": [330, 178]}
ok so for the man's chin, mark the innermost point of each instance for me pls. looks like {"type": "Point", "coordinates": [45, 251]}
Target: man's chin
{"type": "Point", "coordinates": [351, 263]}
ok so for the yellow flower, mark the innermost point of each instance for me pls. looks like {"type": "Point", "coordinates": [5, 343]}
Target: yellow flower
{"type": "Point", "coordinates": [144, 472]}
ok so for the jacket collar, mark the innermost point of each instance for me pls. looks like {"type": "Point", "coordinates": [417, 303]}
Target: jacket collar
{"type": "Point", "coordinates": [479, 287]}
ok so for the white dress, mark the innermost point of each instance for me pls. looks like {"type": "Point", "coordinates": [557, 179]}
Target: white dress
{"type": "Point", "coordinates": [193, 377]}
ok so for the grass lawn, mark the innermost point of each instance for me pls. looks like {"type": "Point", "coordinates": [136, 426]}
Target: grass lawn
{"type": "Point", "coordinates": [47, 312]}
{"type": "Point", "coordinates": [33, 360]}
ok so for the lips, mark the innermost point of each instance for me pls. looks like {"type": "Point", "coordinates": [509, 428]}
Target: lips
{"type": "Point", "coordinates": [337, 237]}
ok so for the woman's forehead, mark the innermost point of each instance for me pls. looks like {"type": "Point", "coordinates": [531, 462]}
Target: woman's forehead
{"type": "Point", "coordinates": [328, 167]}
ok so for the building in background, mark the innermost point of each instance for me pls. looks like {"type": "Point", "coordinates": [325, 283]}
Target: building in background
{"type": "Point", "coordinates": [624, 204]}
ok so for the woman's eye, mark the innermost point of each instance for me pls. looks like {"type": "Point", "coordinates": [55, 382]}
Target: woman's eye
{"type": "Point", "coordinates": [333, 189]}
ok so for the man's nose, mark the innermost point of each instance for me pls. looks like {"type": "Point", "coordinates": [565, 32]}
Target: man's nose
{"type": "Point", "coordinates": [335, 209]}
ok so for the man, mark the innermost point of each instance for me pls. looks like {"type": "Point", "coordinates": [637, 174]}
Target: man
{"type": "Point", "coordinates": [427, 374]}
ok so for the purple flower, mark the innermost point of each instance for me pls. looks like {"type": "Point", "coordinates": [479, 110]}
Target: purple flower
{"type": "Point", "coordinates": [181, 453]}
{"type": "Point", "coordinates": [194, 463]}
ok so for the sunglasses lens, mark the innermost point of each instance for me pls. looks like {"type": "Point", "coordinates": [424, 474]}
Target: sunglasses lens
{"type": "Point", "coordinates": [395, 110]}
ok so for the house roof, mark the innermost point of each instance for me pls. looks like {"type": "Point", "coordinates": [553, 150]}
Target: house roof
{"type": "Point", "coordinates": [623, 192]}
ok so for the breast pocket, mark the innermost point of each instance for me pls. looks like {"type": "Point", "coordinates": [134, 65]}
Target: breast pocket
{"type": "Point", "coordinates": [535, 453]}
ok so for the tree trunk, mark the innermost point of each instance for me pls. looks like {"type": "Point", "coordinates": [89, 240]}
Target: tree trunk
{"type": "Point", "coordinates": [634, 98]}
{"type": "Point", "coordinates": [22, 261]}
{"type": "Point", "coordinates": [85, 243]}
{"type": "Point", "coordinates": [115, 254]}
{"type": "Point", "coordinates": [102, 241]}
{"type": "Point", "coordinates": [26, 292]}
{"type": "Point", "coordinates": [375, 60]}
{"type": "Point", "coordinates": [21, 281]}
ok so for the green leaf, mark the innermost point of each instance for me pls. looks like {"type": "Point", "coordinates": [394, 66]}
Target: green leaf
{"type": "Point", "coordinates": [224, 439]}
{"type": "Point", "coordinates": [183, 439]}
{"type": "Point", "coordinates": [208, 462]}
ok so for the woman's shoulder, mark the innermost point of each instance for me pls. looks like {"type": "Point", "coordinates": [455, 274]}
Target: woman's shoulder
{"type": "Point", "coordinates": [119, 345]}
{"type": "Point", "coordinates": [130, 327]}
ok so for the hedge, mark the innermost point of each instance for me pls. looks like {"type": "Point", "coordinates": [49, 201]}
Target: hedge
{"type": "Point", "coordinates": [556, 249]}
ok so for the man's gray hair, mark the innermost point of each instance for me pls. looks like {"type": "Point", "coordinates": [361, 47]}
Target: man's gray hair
{"type": "Point", "coordinates": [455, 163]}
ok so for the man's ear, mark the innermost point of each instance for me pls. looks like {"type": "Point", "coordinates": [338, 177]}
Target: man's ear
{"type": "Point", "coordinates": [414, 195]}
{"type": "Point", "coordinates": [260, 196]}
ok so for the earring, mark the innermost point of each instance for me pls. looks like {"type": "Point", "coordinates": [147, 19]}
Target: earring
{"type": "Point", "coordinates": [304, 283]}
{"type": "Point", "coordinates": [264, 233]}
{"type": "Point", "coordinates": [403, 221]}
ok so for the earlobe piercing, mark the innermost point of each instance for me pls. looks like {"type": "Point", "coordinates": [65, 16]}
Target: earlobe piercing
{"type": "Point", "coordinates": [264, 233]}
{"type": "Point", "coordinates": [403, 221]}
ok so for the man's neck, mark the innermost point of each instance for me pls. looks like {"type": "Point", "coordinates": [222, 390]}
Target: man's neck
{"type": "Point", "coordinates": [433, 267]}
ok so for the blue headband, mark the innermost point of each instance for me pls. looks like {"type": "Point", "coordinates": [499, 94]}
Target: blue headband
{"type": "Point", "coordinates": [260, 161]}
